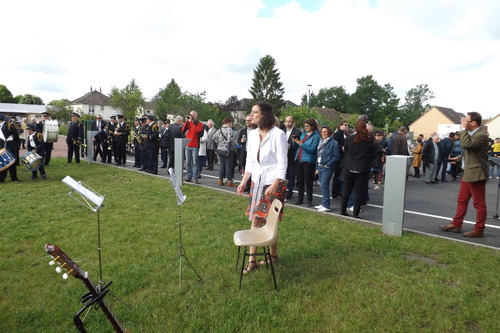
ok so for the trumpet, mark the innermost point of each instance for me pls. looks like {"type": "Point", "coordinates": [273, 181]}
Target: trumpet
{"type": "Point", "coordinates": [79, 144]}
{"type": "Point", "coordinates": [137, 137]}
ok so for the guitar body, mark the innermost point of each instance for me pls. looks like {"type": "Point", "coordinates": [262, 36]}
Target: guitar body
{"type": "Point", "coordinates": [73, 269]}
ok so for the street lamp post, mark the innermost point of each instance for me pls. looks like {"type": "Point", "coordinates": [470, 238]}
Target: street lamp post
{"type": "Point", "coordinates": [308, 99]}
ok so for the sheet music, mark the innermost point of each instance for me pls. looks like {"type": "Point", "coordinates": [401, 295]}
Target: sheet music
{"type": "Point", "coordinates": [84, 192]}
{"type": "Point", "coordinates": [180, 197]}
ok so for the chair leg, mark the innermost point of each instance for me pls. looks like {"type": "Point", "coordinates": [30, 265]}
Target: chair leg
{"type": "Point", "coordinates": [237, 259]}
{"type": "Point", "coordinates": [266, 255]}
{"type": "Point", "coordinates": [272, 269]}
{"type": "Point", "coordinates": [243, 264]}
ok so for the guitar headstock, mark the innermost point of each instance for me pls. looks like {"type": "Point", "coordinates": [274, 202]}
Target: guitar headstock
{"type": "Point", "coordinates": [65, 262]}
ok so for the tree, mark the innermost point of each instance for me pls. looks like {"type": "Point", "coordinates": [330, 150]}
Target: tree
{"type": "Point", "coordinates": [376, 101]}
{"type": "Point", "coordinates": [226, 110]}
{"type": "Point", "coordinates": [30, 99]}
{"type": "Point", "coordinates": [5, 95]}
{"type": "Point", "coordinates": [334, 97]}
{"type": "Point", "coordinates": [168, 100]}
{"type": "Point", "coordinates": [299, 114]}
{"type": "Point", "coordinates": [266, 84]}
{"type": "Point", "coordinates": [414, 103]}
{"type": "Point", "coordinates": [60, 109]}
{"type": "Point", "coordinates": [128, 99]}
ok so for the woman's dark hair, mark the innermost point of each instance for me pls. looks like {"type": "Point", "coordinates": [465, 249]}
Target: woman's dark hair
{"type": "Point", "coordinates": [329, 130]}
{"type": "Point", "coordinates": [362, 133]}
{"type": "Point", "coordinates": [268, 120]}
{"type": "Point", "coordinates": [312, 122]}
{"type": "Point", "coordinates": [227, 121]}
{"type": "Point", "coordinates": [342, 122]}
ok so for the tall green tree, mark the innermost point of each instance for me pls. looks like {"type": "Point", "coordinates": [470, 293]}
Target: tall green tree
{"type": "Point", "coordinates": [5, 95]}
{"type": "Point", "coordinates": [415, 103]}
{"type": "Point", "coordinates": [266, 84]}
{"type": "Point", "coordinates": [60, 109]}
{"type": "Point", "coordinates": [334, 97]}
{"type": "Point", "coordinates": [226, 109]}
{"type": "Point", "coordinates": [128, 99]}
{"type": "Point", "coordinates": [168, 100]}
{"type": "Point", "coordinates": [376, 101]}
{"type": "Point", "coordinates": [30, 99]}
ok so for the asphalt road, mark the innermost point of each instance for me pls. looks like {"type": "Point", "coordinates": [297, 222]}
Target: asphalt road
{"type": "Point", "coordinates": [426, 206]}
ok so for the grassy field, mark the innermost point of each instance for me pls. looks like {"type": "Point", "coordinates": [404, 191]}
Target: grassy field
{"type": "Point", "coordinates": [333, 275]}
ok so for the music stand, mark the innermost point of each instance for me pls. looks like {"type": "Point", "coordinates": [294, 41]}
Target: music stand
{"type": "Point", "coordinates": [90, 199]}
{"type": "Point", "coordinates": [182, 252]}
{"type": "Point", "coordinates": [496, 161]}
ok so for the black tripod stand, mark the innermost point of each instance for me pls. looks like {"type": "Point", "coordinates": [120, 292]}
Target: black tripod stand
{"type": "Point", "coordinates": [182, 252]}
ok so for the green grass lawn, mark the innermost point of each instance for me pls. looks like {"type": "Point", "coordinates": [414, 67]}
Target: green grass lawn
{"type": "Point", "coordinates": [333, 275]}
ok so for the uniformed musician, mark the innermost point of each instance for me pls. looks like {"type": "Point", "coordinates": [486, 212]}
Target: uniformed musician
{"type": "Point", "coordinates": [74, 139]}
{"type": "Point", "coordinates": [35, 144]}
{"type": "Point", "coordinates": [122, 132]}
{"type": "Point", "coordinates": [152, 144]}
{"type": "Point", "coordinates": [111, 129]}
{"type": "Point", "coordinates": [9, 139]}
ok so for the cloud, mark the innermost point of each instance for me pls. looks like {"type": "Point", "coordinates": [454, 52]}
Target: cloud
{"type": "Point", "coordinates": [214, 46]}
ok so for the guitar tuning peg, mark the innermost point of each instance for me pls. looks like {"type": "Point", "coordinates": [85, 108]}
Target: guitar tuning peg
{"type": "Point", "coordinates": [58, 269]}
{"type": "Point", "coordinates": [53, 261]}
{"type": "Point", "coordinates": [65, 276]}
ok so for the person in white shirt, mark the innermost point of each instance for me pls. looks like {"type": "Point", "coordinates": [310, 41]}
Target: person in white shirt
{"type": "Point", "coordinates": [266, 165]}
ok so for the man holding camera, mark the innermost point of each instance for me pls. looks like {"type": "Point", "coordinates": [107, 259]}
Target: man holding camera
{"type": "Point", "coordinates": [194, 129]}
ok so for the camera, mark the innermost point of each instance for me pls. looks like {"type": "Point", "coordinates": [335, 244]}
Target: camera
{"type": "Point", "coordinates": [188, 117]}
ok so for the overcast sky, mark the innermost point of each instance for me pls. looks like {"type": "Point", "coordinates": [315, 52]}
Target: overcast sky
{"type": "Point", "coordinates": [59, 49]}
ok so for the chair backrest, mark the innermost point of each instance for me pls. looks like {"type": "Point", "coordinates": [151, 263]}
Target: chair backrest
{"type": "Point", "coordinates": [272, 220]}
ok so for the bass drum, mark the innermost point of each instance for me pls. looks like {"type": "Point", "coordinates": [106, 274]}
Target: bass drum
{"type": "Point", "coordinates": [50, 131]}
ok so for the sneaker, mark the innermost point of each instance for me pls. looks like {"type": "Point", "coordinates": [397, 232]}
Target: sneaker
{"type": "Point", "coordinates": [318, 206]}
{"type": "Point", "coordinates": [350, 209]}
{"type": "Point", "coordinates": [196, 181]}
{"type": "Point", "coordinates": [323, 209]}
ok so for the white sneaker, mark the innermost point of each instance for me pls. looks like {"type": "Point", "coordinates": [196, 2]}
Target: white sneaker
{"type": "Point", "coordinates": [323, 209]}
{"type": "Point", "coordinates": [318, 206]}
{"type": "Point", "coordinates": [350, 209]}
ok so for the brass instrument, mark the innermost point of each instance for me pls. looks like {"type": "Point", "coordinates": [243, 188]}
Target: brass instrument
{"type": "Point", "coordinates": [109, 139]}
{"type": "Point", "coordinates": [137, 137]}
{"type": "Point", "coordinates": [79, 144]}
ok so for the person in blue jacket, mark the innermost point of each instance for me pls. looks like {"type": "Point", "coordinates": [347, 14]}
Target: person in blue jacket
{"type": "Point", "coordinates": [328, 157]}
{"type": "Point", "coordinates": [305, 159]}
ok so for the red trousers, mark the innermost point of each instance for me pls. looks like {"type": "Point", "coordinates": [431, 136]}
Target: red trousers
{"type": "Point", "coordinates": [476, 190]}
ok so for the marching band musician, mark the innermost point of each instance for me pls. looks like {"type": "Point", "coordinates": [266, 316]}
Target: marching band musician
{"type": "Point", "coordinates": [9, 139]}
{"type": "Point", "coordinates": [74, 138]}
{"type": "Point", "coordinates": [49, 146]}
{"type": "Point", "coordinates": [137, 149]}
{"type": "Point", "coordinates": [111, 128]}
{"type": "Point", "coordinates": [35, 144]}
{"type": "Point", "coordinates": [102, 144]}
{"type": "Point", "coordinates": [152, 144]}
{"type": "Point", "coordinates": [142, 146]}
{"type": "Point", "coordinates": [121, 134]}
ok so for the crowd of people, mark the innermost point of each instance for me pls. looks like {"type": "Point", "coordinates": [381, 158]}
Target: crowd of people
{"type": "Point", "coordinates": [341, 161]}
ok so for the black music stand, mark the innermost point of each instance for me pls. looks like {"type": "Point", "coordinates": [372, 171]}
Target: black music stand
{"type": "Point", "coordinates": [182, 252]}
{"type": "Point", "coordinates": [496, 161]}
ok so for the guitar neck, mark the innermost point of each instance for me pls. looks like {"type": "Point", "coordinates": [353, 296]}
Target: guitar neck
{"type": "Point", "coordinates": [104, 306]}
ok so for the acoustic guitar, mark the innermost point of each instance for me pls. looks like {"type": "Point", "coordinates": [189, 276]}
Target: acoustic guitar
{"type": "Point", "coordinates": [94, 293]}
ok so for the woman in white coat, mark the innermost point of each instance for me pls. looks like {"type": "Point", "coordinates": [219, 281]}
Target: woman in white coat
{"type": "Point", "coordinates": [266, 165]}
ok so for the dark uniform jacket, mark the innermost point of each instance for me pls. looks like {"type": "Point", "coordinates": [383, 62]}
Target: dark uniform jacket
{"type": "Point", "coordinates": [153, 133]}
{"type": "Point", "coordinates": [75, 132]}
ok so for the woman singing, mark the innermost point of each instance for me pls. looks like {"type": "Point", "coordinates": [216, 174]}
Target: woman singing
{"type": "Point", "coordinates": [266, 165]}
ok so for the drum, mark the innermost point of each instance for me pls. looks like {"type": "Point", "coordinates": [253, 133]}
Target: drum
{"type": "Point", "coordinates": [6, 159]}
{"type": "Point", "coordinates": [32, 161]}
{"type": "Point", "coordinates": [50, 131]}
